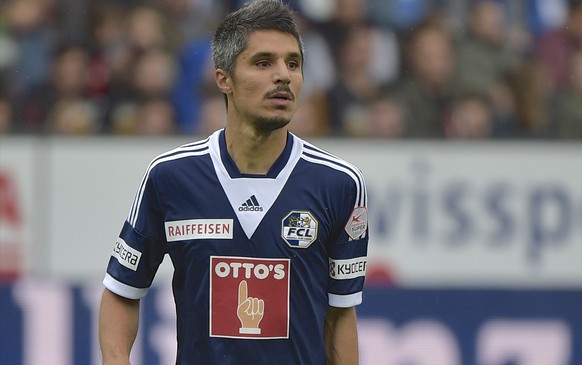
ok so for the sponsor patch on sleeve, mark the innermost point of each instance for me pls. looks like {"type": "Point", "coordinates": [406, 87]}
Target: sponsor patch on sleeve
{"type": "Point", "coordinates": [126, 255]}
{"type": "Point", "coordinates": [358, 223]}
{"type": "Point", "coordinates": [347, 269]}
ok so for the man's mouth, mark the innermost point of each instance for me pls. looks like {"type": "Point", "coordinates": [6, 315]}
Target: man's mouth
{"type": "Point", "coordinates": [281, 95]}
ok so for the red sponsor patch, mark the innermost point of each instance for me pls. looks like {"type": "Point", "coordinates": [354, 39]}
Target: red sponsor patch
{"type": "Point", "coordinates": [249, 297]}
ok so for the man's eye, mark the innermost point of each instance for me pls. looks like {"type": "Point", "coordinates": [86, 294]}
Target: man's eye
{"type": "Point", "coordinates": [263, 64]}
{"type": "Point", "coordinates": [293, 65]}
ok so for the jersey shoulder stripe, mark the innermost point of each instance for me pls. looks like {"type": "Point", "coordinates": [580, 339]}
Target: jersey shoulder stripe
{"type": "Point", "coordinates": [192, 149]}
{"type": "Point", "coordinates": [317, 155]}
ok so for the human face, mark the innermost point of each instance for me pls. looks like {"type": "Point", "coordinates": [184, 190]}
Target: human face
{"type": "Point", "coordinates": [264, 89]}
{"type": "Point", "coordinates": [433, 57]}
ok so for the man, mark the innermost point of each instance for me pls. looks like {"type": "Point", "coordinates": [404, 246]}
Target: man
{"type": "Point", "coordinates": [267, 233]}
{"type": "Point", "coordinates": [555, 48]}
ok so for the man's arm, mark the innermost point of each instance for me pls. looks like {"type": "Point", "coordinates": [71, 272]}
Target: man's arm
{"type": "Point", "coordinates": [341, 336]}
{"type": "Point", "coordinates": [118, 323]}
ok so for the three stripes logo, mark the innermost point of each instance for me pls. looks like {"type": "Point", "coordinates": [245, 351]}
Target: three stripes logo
{"type": "Point", "coordinates": [251, 205]}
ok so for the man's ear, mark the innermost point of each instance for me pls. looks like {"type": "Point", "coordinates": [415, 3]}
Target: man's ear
{"type": "Point", "coordinates": [222, 81]}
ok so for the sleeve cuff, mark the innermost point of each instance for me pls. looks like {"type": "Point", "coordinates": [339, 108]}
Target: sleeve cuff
{"type": "Point", "coordinates": [345, 301]}
{"type": "Point", "coordinates": [122, 289]}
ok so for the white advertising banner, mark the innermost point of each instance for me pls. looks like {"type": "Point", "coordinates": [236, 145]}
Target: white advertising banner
{"type": "Point", "coordinates": [440, 214]}
{"type": "Point", "coordinates": [474, 214]}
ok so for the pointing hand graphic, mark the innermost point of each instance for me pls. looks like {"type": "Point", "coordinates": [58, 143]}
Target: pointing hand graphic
{"type": "Point", "coordinates": [249, 311]}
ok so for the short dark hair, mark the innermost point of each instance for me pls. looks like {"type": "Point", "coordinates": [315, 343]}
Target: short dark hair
{"type": "Point", "coordinates": [231, 36]}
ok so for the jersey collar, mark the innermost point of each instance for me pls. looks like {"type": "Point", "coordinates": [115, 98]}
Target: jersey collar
{"type": "Point", "coordinates": [273, 172]}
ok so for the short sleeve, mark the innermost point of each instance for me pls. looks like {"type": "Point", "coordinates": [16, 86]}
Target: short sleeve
{"type": "Point", "coordinates": [140, 247]}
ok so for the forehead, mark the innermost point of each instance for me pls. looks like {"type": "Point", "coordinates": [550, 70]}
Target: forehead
{"type": "Point", "coordinates": [271, 41]}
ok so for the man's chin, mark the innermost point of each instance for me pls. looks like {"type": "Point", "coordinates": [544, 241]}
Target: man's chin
{"type": "Point", "coordinates": [270, 124]}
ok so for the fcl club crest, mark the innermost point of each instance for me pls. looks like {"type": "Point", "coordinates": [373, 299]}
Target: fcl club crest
{"type": "Point", "coordinates": [299, 229]}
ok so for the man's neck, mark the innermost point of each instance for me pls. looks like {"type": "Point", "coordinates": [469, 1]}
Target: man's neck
{"type": "Point", "coordinates": [252, 152]}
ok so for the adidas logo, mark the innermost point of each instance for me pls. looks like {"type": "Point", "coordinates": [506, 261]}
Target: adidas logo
{"type": "Point", "coordinates": [251, 205]}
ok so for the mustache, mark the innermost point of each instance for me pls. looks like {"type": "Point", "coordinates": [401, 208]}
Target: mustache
{"type": "Point", "coordinates": [281, 89]}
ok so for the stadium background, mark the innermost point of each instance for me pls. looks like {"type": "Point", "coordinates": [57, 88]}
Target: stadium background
{"type": "Point", "coordinates": [476, 226]}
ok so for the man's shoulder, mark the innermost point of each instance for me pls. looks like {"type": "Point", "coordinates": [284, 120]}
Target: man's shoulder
{"type": "Point", "coordinates": [329, 163]}
{"type": "Point", "coordinates": [185, 153]}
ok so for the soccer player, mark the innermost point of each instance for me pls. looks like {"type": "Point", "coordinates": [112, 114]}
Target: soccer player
{"type": "Point", "coordinates": [267, 233]}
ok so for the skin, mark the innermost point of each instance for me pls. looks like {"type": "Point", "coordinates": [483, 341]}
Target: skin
{"type": "Point", "coordinates": [118, 323]}
{"type": "Point", "coordinates": [262, 95]}
{"type": "Point", "coordinates": [341, 336]}
{"type": "Point", "coordinates": [257, 117]}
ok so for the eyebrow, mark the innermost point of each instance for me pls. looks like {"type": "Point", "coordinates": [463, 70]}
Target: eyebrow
{"type": "Point", "coordinates": [271, 54]}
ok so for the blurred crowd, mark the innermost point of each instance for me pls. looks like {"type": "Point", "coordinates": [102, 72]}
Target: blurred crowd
{"type": "Point", "coordinates": [429, 69]}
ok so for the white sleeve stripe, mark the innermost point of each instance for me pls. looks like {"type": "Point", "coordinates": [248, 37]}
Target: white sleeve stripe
{"type": "Point", "coordinates": [360, 195]}
{"type": "Point", "coordinates": [197, 143]}
{"type": "Point", "coordinates": [324, 155]}
{"type": "Point", "coordinates": [345, 301]}
{"type": "Point", "coordinates": [319, 153]}
{"type": "Point", "coordinates": [122, 289]}
{"type": "Point", "coordinates": [172, 155]}
{"type": "Point", "coordinates": [185, 148]}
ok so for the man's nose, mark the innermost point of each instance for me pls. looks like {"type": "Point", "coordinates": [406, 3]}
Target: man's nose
{"type": "Point", "coordinates": [281, 73]}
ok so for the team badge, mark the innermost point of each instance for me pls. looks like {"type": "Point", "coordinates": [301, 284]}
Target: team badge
{"type": "Point", "coordinates": [358, 223]}
{"type": "Point", "coordinates": [299, 229]}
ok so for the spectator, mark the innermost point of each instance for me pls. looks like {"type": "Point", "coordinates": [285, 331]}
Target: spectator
{"type": "Point", "coordinates": [194, 72]}
{"type": "Point", "coordinates": [425, 92]}
{"type": "Point", "coordinates": [311, 118]}
{"type": "Point", "coordinates": [319, 72]}
{"type": "Point", "coordinates": [350, 14]}
{"type": "Point", "coordinates": [386, 117]}
{"type": "Point", "coordinates": [107, 46]}
{"type": "Point", "coordinates": [483, 57]}
{"type": "Point", "coordinates": [399, 15]}
{"type": "Point", "coordinates": [566, 121]}
{"type": "Point", "coordinates": [212, 113]}
{"type": "Point", "coordinates": [356, 86]}
{"type": "Point", "coordinates": [503, 104]}
{"type": "Point", "coordinates": [30, 30]}
{"type": "Point", "coordinates": [149, 117]}
{"type": "Point", "coordinates": [471, 118]}
{"type": "Point", "coordinates": [530, 102]}
{"type": "Point", "coordinates": [5, 115]}
{"type": "Point", "coordinates": [354, 50]}
{"type": "Point", "coordinates": [544, 16]}
{"type": "Point", "coordinates": [555, 48]}
{"type": "Point", "coordinates": [190, 19]}
{"type": "Point", "coordinates": [74, 117]}
{"type": "Point", "coordinates": [152, 77]}
{"type": "Point", "coordinates": [382, 117]}
{"type": "Point", "coordinates": [66, 86]}
{"type": "Point", "coordinates": [144, 32]}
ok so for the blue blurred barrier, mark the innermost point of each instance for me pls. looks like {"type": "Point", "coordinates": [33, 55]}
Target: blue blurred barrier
{"type": "Point", "coordinates": [53, 323]}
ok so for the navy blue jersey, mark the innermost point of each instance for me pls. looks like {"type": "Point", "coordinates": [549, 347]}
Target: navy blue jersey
{"type": "Point", "coordinates": [257, 258]}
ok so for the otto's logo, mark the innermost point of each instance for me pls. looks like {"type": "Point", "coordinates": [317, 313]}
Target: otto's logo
{"type": "Point", "coordinates": [249, 297]}
{"type": "Point", "coordinates": [299, 229]}
{"type": "Point", "coordinates": [249, 270]}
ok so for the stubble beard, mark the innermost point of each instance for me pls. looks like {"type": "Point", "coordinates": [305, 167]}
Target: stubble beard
{"type": "Point", "coordinates": [268, 125]}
